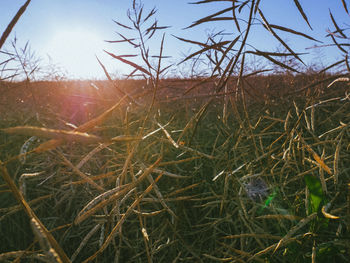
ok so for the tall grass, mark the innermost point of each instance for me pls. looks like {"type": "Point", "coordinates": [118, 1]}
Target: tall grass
{"type": "Point", "coordinates": [213, 169]}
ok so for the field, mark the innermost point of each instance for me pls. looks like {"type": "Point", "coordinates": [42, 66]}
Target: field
{"type": "Point", "coordinates": [242, 163]}
{"type": "Point", "coordinates": [180, 182]}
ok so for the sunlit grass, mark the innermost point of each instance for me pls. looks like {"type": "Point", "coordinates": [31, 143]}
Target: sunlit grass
{"type": "Point", "coordinates": [224, 167]}
{"type": "Point", "coordinates": [201, 207]}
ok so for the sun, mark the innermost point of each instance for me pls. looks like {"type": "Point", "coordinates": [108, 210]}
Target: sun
{"type": "Point", "coordinates": [75, 49]}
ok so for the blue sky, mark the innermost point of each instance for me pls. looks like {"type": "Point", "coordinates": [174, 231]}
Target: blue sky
{"type": "Point", "coordinates": [73, 32]}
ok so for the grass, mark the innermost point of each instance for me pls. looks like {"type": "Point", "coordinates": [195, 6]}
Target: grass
{"type": "Point", "coordinates": [101, 200]}
{"type": "Point", "coordinates": [236, 166]}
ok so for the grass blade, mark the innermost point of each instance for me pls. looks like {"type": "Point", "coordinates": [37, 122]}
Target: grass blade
{"type": "Point", "coordinates": [13, 22]}
{"type": "Point", "coordinates": [265, 55]}
{"type": "Point", "coordinates": [235, 17]}
{"type": "Point", "coordinates": [122, 25]}
{"type": "Point", "coordinates": [54, 134]}
{"type": "Point", "coordinates": [96, 205]}
{"type": "Point", "coordinates": [301, 11]}
{"type": "Point", "coordinates": [212, 17]}
{"type": "Point", "coordinates": [121, 221]}
{"type": "Point", "coordinates": [40, 234]}
{"type": "Point", "coordinates": [132, 64]}
{"type": "Point", "coordinates": [345, 6]}
{"type": "Point", "coordinates": [340, 31]}
{"type": "Point", "coordinates": [81, 174]}
{"type": "Point", "coordinates": [269, 28]}
{"type": "Point", "coordinates": [316, 157]}
{"type": "Point", "coordinates": [20, 199]}
{"type": "Point", "coordinates": [294, 32]}
{"type": "Point", "coordinates": [52, 144]}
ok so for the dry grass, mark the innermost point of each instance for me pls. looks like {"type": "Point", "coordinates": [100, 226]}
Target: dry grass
{"type": "Point", "coordinates": [250, 168]}
{"type": "Point", "coordinates": [202, 199]}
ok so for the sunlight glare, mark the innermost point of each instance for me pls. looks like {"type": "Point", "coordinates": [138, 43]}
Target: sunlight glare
{"type": "Point", "coordinates": [75, 51]}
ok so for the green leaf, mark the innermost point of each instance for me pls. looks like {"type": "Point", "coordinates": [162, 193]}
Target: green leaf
{"type": "Point", "coordinates": [317, 196]}
{"type": "Point", "coordinates": [268, 201]}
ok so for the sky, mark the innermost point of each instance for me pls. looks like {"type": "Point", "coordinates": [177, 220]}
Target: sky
{"type": "Point", "coordinates": [69, 34]}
